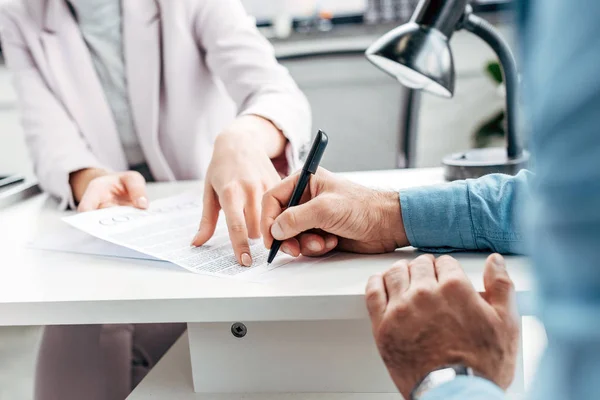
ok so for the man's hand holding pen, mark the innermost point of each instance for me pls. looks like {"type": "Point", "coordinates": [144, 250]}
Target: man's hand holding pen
{"type": "Point", "coordinates": [333, 213]}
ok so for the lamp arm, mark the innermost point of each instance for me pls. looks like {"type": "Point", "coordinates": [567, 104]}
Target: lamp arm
{"type": "Point", "coordinates": [492, 37]}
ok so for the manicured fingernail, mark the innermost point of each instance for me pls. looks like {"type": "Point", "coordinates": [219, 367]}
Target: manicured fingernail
{"type": "Point", "coordinates": [286, 249]}
{"type": "Point", "coordinates": [142, 202]}
{"type": "Point", "coordinates": [313, 245]}
{"type": "Point", "coordinates": [276, 231]}
{"type": "Point", "coordinates": [246, 260]}
{"type": "Point", "coordinates": [498, 261]}
{"type": "Point", "coordinates": [330, 243]}
{"type": "Point", "coordinates": [194, 239]}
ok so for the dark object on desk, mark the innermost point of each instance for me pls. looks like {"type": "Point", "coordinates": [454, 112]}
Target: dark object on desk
{"type": "Point", "coordinates": [310, 168]}
{"type": "Point", "coordinates": [16, 193]}
{"type": "Point", "coordinates": [418, 55]}
{"type": "Point", "coordinates": [8, 180]}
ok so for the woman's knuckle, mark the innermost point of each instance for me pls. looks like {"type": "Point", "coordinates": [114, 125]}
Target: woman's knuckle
{"type": "Point", "coordinates": [205, 220]}
{"type": "Point", "coordinates": [133, 175]}
{"type": "Point", "coordinates": [256, 185]}
{"type": "Point", "coordinates": [231, 190]}
{"type": "Point", "coordinates": [247, 183]}
{"type": "Point", "coordinates": [237, 228]}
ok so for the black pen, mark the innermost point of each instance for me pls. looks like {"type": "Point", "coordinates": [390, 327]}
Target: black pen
{"type": "Point", "coordinates": [310, 168]}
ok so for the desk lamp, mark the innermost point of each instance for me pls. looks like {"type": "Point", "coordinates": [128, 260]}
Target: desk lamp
{"type": "Point", "coordinates": [418, 55]}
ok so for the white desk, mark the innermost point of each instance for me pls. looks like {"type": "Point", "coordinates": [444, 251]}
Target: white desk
{"type": "Point", "coordinates": [171, 378]}
{"type": "Point", "coordinates": [41, 288]}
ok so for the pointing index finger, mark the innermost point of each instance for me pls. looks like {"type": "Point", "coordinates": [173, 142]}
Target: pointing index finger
{"type": "Point", "coordinates": [233, 207]}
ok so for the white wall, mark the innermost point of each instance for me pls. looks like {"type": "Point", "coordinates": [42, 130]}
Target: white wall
{"type": "Point", "coordinates": [270, 8]}
{"type": "Point", "coordinates": [359, 106]}
{"type": "Point", "coordinates": [447, 125]}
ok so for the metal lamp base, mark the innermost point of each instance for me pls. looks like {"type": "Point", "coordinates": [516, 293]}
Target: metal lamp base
{"type": "Point", "coordinates": [479, 162]}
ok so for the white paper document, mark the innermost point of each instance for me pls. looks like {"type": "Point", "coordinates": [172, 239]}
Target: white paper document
{"type": "Point", "coordinates": [71, 240]}
{"type": "Point", "coordinates": [165, 231]}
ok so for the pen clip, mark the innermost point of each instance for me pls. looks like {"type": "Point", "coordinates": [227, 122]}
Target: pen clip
{"type": "Point", "coordinates": [316, 152]}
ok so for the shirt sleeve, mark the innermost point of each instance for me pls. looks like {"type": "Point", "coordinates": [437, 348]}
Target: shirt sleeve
{"type": "Point", "coordinates": [55, 145]}
{"type": "Point", "coordinates": [466, 387]}
{"type": "Point", "coordinates": [245, 62]}
{"type": "Point", "coordinates": [475, 214]}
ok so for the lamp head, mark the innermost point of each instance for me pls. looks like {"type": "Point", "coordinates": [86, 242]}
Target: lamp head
{"type": "Point", "coordinates": [419, 58]}
{"type": "Point", "coordinates": [418, 53]}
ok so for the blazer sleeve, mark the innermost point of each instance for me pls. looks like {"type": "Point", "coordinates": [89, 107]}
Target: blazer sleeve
{"type": "Point", "coordinates": [237, 53]}
{"type": "Point", "coordinates": [54, 142]}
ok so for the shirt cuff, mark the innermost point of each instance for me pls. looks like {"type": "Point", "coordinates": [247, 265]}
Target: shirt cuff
{"type": "Point", "coordinates": [59, 185]}
{"type": "Point", "coordinates": [295, 125]}
{"type": "Point", "coordinates": [438, 217]}
{"type": "Point", "coordinates": [466, 387]}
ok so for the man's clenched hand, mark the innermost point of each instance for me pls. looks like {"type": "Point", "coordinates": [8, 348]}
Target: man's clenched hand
{"type": "Point", "coordinates": [426, 315]}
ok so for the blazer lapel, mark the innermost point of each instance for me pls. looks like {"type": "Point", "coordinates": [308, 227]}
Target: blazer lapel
{"type": "Point", "coordinates": [143, 60]}
{"type": "Point", "coordinates": [71, 66]}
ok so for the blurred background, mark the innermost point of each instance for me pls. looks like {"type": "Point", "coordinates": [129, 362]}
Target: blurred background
{"type": "Point", "coordinates": [374, 122]}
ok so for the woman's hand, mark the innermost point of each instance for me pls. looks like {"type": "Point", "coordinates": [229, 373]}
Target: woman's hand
{"type": "Point", "coordinates": [239, 173]}
{"type": "Point", "coordinates": [95, 189]}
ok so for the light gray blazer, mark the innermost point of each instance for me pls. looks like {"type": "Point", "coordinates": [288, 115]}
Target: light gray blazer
{"type": "Point", "coordinates": [192, 66]}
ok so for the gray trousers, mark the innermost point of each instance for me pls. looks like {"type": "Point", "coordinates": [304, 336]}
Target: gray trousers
{"type": "Point", "coordinates": [99, 362]}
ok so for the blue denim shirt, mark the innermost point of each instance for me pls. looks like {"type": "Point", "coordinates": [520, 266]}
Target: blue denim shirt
{"type": "Point", "coordinates": [561, 58]}
{"type": "Point", "coordinates": [476, 214]}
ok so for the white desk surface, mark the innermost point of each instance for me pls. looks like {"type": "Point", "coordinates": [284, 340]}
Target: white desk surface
{"type": "Point", "coordinates": [42, 287]}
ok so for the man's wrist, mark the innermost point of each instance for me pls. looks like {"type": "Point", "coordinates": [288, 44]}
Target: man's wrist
{"type": "Point", "coordinates": [391, 218]}
{"type": "Point", "coordinates": [438, 377]}
{"type": "Point", "coordinates": [80, 179]}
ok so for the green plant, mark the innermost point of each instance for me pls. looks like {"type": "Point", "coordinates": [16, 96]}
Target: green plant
{"type": "Point", "coordinates": [493, 127]}
{"type": "Point", "coordinates": [494, 71]}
